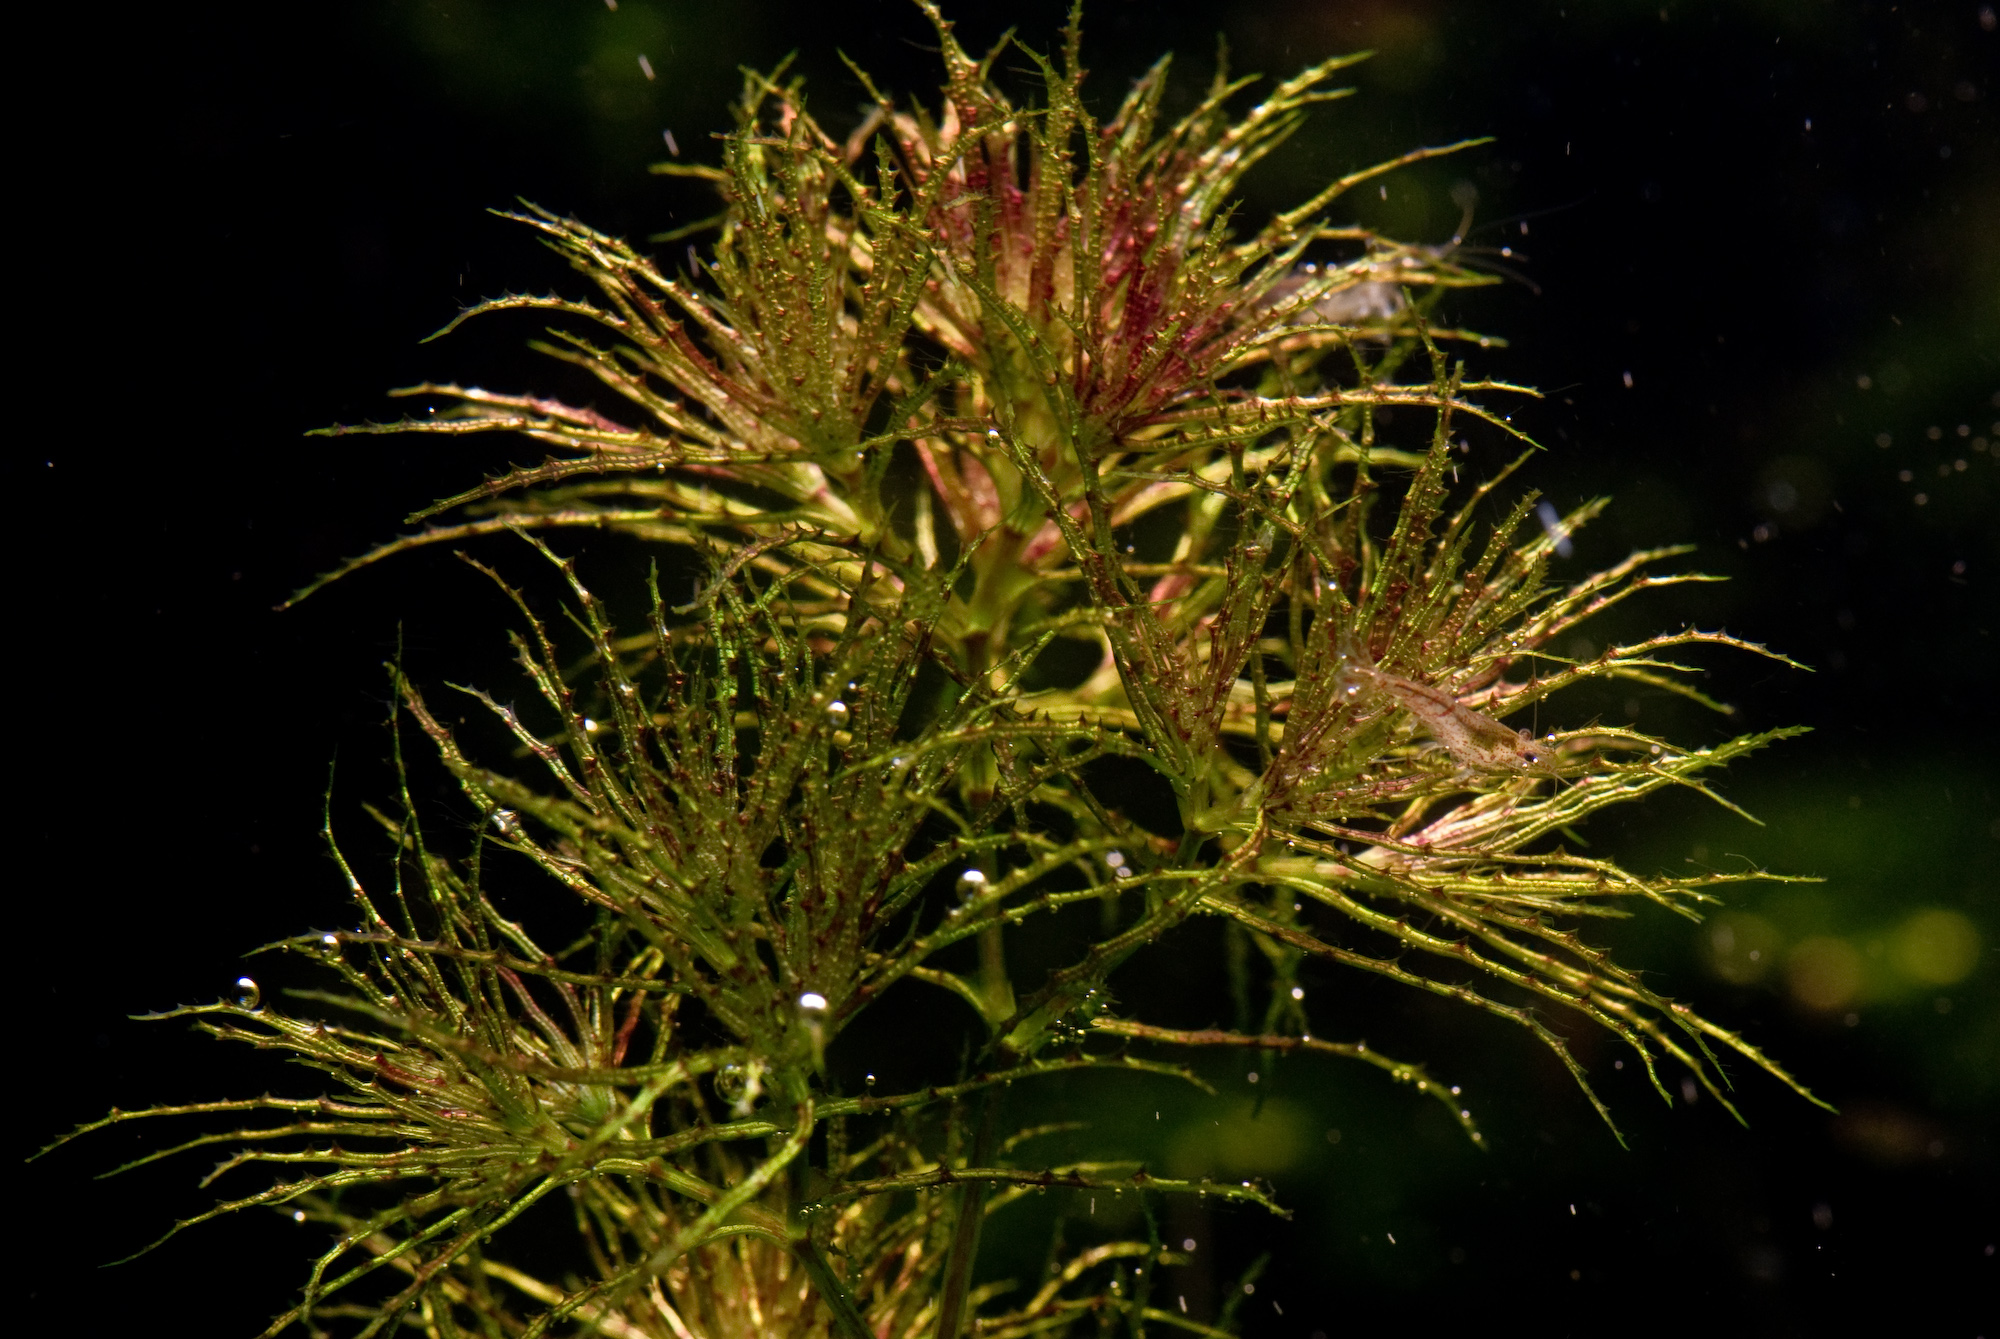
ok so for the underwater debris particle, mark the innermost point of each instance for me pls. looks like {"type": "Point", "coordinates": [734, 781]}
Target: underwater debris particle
{"type": "Point", "coordinates": [1545, 512]}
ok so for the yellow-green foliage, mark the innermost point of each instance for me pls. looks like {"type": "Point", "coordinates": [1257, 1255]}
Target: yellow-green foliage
{"type": "Point", "coordinates": [975, 385]}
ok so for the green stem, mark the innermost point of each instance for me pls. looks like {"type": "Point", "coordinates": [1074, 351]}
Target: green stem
{"type": "Point", "coordinates": [847, 1320]}
{"type": "Point", "coordinates": [965, 1236]}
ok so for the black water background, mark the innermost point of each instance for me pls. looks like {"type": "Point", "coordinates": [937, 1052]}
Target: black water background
{"type": "Point", "coordinates": [260, 212]}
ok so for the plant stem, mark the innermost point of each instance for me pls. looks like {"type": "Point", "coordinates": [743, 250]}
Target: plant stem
{"type": "Point", "coordinates": [965, 1237]}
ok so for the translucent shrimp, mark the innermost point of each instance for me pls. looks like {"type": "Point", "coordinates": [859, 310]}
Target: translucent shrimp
{"type": "Point", "coordinates": [1474, 740]}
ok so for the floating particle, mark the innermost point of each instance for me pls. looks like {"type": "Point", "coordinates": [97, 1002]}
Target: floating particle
{"type": "Point", "coordinates": [1552, 526]}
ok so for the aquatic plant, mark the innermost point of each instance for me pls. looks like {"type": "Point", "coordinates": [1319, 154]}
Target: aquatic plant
{"type": "Point", "coordinates": [948, 401]}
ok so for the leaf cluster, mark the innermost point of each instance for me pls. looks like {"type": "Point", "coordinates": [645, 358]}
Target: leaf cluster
{"type": "Point", "coordinates": [1012, 459]}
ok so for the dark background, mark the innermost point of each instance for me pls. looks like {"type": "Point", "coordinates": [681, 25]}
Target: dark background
{"type": "Point", "coordinates": [1764, 244]}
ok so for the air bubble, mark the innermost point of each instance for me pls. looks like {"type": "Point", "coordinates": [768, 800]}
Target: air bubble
{"type": "Point", "coordinates": [838, 714]}
{"type": "Point", "coordinates": [248, 996]}
{"type": "Point", "coordinates": [971, 884]}
{"type": "Point", "coordinates": [329, 941]}
{"type": "Point", "coordinates": [730, 1082]}
{"type": "Point", "coordinates": [812, 1004]}
{"type": "Point", "coordinates": [1298, 992]}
